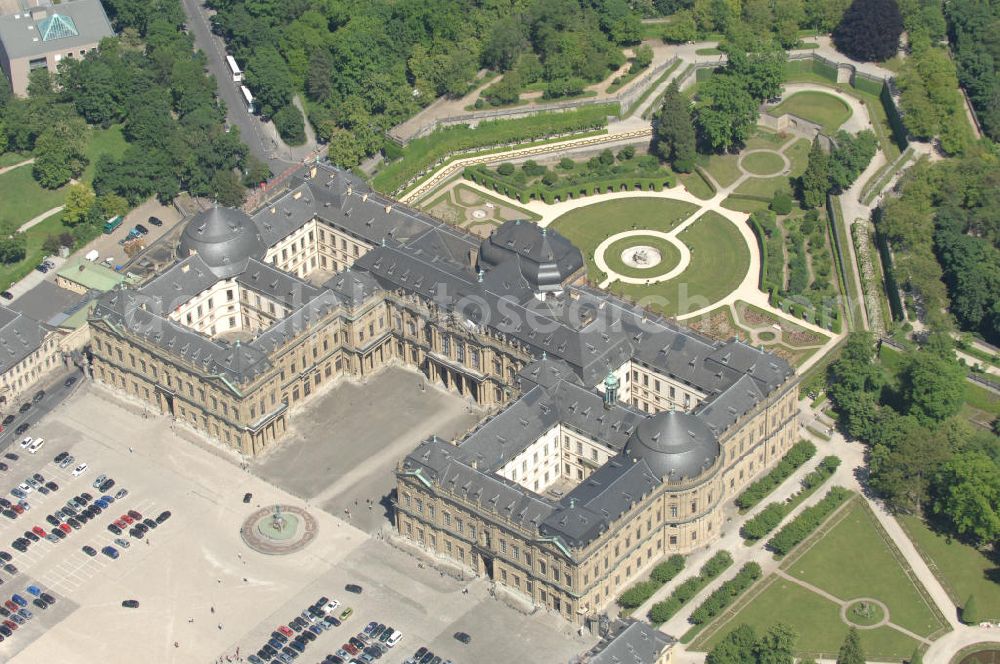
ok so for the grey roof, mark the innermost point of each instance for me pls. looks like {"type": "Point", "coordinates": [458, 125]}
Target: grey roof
{"type": "Point", "coordinates": [546, 259]}
{"type": "Point", "coordinates": [674, 444]}
{"type": "Point", "coordinates": [633, 642]}
{"type": "Point", "coordinates": [20, 336]}
{"type": "Point", "coordinates": [22, 36]}
{"type": "Point", "coordinates": [224, 238]}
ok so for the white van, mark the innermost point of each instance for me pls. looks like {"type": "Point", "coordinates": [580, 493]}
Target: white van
{"type": "Point", "coordinates": [92, 255]}
{"type": "Point", "coordinates": [35, 446]}
{"type": "Point", "coordinates": [394, 639]}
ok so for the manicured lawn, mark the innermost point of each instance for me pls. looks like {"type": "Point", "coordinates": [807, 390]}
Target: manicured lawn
{"type": "Point", "coordinates": [852, 561]}
{"type": "Point", "coordinates": [962, 569]}
{"type": "Point", "coordinates": [669, 255]}
{"type": "Point", "coordinates": [708, 51]}
{"type": "Point", "coordinates": [723, 167]}
{"type": "Point", "coordinates": [824, 109]}
{"type": "Point", "coordinates": [764, 186]}
{"type": "Point", "coordinates": [798, 155]}
{"type": "Point", "coordinates": [103, 141]}
{"type": "Point", "coordinates": [720, 259]}
{"type": "Point", "coordinates": [23, 198]}
{"type": "Point", "coordinates": [740, 204]}
{"type": "Point", "coordinates": [765, 138]}
{"type": "Point", "coordinates": [696, 185]}
{"type": "Point", "coordinates": [815, 619]}
{"type": "Point", "coordinates": [763, 163]}
{"type": "Point", "coordinates": [588, 226]}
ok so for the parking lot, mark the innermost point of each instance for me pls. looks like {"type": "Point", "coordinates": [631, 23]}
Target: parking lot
{"type": "Point", "coordinates": [202, 592]}
{"type": "Point", "coordinates": [343, 452]}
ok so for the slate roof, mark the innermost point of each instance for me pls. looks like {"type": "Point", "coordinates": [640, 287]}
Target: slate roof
{"type": "Point", "coordinates": [634, 642]}
{"type": "Point", "coordinates": [20, 336]}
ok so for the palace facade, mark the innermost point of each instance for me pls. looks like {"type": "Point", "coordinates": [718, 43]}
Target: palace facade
{"type": "Point", "coordinates": [617, 437]}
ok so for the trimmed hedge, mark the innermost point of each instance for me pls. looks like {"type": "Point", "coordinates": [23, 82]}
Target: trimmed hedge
{"type": "Point", "coordinates": [483, 176]}
{"type": "Point", "coordinates": [807, 521]}
{"type": "Point", "coordinates": [768, 518]}
{"type": "Point", "coordinates": [635, 596]}
{"type": "Point", "coordinates": [716, 565]}
{"type": "Point", "coordinates": [799, 453]}
{"type": "Point", "coordinates": [725, 594]}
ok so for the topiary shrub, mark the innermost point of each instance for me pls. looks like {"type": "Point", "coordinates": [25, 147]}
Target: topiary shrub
{"type": "Point", "coordinates": [290, 125]}
{"type": "Point", "coordinates": [781, 203]}
{"type": "Point", "coordinates": [505, 168]}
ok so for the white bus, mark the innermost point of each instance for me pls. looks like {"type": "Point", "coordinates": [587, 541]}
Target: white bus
{"type": "Point", "coordinates": [247, 97]}
{"type": "Point", "coordinates": [234, 69]}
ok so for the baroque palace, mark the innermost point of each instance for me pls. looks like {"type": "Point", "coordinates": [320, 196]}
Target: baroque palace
{"type": "Point", "coordinates": [616, 436]}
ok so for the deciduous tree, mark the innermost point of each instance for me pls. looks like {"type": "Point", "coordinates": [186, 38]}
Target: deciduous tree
{"type": "Point", "coordinates": [870, 30]}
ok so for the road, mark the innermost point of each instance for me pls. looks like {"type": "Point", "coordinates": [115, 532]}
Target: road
{"type": "Point", "coordinates": [256, 137]}
{"type": "Point", "coordinates": [56, 392]}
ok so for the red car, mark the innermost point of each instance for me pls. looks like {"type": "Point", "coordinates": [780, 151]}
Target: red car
{"type": "Point", "coordinates": [10, 605]}
{"type": "Point", "coordinates": [287, 632]}
{"type": "Point", "coordinates": [349, 647]}
{"type": "Point", "coordinates": [17, 508]}
{"type": "Point", "coordinates": [38, 531]}
{"type": "Point", "coordinates": [127, 519]}
{"type": "Point", "coordinates": [65, 528]}
{"type": "Point", "coordinates": [10, 624]}
{"type": "Point", "coordinates": [121, 524]}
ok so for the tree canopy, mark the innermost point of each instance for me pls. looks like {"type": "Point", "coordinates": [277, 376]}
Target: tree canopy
{"type": "Point", "coordinates": [869, 30]}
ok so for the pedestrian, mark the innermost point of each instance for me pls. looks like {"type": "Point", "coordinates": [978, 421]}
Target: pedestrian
{"type": "Point", "coordinates": [176, 645]}
{"type": "Point", "coordinates": [220, 626]}
{"type": "Point", "coordinates": [212, 609]}
{"type": "Point", "coordinates": [130, 450]}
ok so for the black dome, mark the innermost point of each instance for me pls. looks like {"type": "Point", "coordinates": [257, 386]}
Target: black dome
{"type": "Point", "coordinates": [675, 444]}
{"type": "Point", "coordinates": [222, 237]}
{"type": "Point", "coordinates": [547, 258]}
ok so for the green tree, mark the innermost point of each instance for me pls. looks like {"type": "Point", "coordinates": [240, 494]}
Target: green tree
{"type": "Point", "coordinates": [675, 133]}
{"type": "Point", "coordinates": [815, 181]}
{"type": "Point", "coordinates": [643, 57]}
{"type": "Point", "coordinates": [13, 248]}
{"type": "Point", "coordinates": [736, 647]}
{"type": "Point", "coordinates": [970, 611]}
{"type": "Point", "coordinates": [60, 153]}
{"type": "Point", "coordinates": [110, 205]}
{"type": "Point", "coordinates": [343, 149]}
{"type": "Point", "coordinates": [726, 122]}
{"type": "Point", "coordinates": [505, 42]}
{"type": "Point", "coordinates": [257, 172]}
{"type": "Point", "coordinates": [776, 646]}
{"type": "Point", "coordinates": [870, 30]}
{"type": "Point", "coordinates": [290, 125]}
{"type": "Point", "coordinates": [319, 84]}
{"type": "Point", "coordinates": [268, 76]}
{"type": "Point", "coordinates": [850, 650]}
{"type": "Point", "coordinates": [932, 386]}
{"type": "Point", "coordinates": [968, 491]}
{"type": "Point", "coordinates": [681, 29]}
{"type": "Point", "coordinates": [80, 198]}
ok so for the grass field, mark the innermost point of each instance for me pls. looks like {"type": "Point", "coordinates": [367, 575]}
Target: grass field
{"type": "Point", "coordinates": [723, 167]}
{"type": "Point", "coordinates": [720, 259]}
{"type": "Point", "coordinates": [763, 163]}
{"type": "Point", "coordinates": [765, 138]}
{"type": "Point", "coordinates": [588, 226]}
{"type": "Point", "coordinates": [962, 569]}
{"type": "Point", "coordinates": [11, 158]}
{"type": "Point", "coordinates": [824, 109]}
{"type": "Point", "coordinates": [23, 198]}
{"type": "Point", "coordinates": [766, 187]}
{"type": "Point", "coordinates": [833, 565]}
{"type": "Point", "coordinates": [798, 155]}
{"type": "Point", "coordinates": [669, 255]}
{"type": "Point", "coordinates": [815, 619]}
{"type": "Point", "coordinates": [696, 185]}
{"type": "Point", "coordinates": [103, 141]}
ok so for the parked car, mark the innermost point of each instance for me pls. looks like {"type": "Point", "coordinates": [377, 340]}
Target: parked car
{"type": "Point", "coordinates": [100, 478]}
{"type": "Point", "coordinates": [80, 470]}
{"type": "Point", "coordinates": [353, 588]}
{"type": "Point", "coordinates": [69, 381]}
{"type": "Point", "coordinates": [121, 494]}
{"type": "Point", "coordinates": [163, 516]}
{"type": "Point", "coordinates": [463, 637]}
{"type": "Point", "coordinates": [105, 485]}
{"type": "Point", "coordinates": [39, 395]}
{"type": "Point", "coordinates": [65, 463]}
{"type": "Point", "coordinates": [247, 497]}
{"type": "Point", "coordinates": [7, 295]}
{"type": "Point", "coordinates": [21, 428]}
{"type": "Point", "coordinates": [122, 543]}
{"type": "Point", "coordinates": [130, 604]}
{"type": "Point", "coordinates": [142, 229]}
{"type": "Point", "coordinates": [89, 550]}
{"type": "Point", "coordinates": [156, 221]}
{"type": "Point", "coordinates": [9, 419]}
{"type": "Point", "coordinates": [51, 486]}
{"type": "Point", "coordinates": [110, 552]}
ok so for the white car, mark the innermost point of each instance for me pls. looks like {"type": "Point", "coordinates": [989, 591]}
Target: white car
{"type": "Point", "coordinates": [27, 441]}
{"type": "Point", "coordinates": [25, 487]}
{"type": "Point", "coordinates": [394, 639]}
{"type": "Point", "coordinates": [35, 446]}
{"type": "Point", "coordinates": [331, 606]}
{"type": "Point", "coordinates": [80, 470]}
